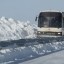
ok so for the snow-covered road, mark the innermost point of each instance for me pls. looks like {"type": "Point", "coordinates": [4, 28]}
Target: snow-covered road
{"type": "Point", "coordinates": [54, 58]}
{"type": "Point", "coordinates": [11, 29]}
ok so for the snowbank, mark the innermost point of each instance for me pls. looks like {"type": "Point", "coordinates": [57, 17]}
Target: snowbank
{"type": "Point", "coordinates": [11, 29]}
{"type": "Point", "coordinates": [17, 55]}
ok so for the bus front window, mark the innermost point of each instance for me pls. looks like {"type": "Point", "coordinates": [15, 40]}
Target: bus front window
{"type": "Point", "coordinates": [50, 21]}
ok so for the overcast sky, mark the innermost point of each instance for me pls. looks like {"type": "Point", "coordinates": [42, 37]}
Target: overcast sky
{"type": "Point", "coordinates": [28, 9]}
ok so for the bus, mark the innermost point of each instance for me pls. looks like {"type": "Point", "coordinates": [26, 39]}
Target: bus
{"type": "Point", "coordinates": [50, 24]}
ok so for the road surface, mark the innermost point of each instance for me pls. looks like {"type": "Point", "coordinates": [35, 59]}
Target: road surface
{"type": "Point", "coordinates": [54, 58]}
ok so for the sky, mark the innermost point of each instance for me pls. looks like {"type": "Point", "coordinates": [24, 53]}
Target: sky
{"type": "Point", "coordinates": [27, 10]}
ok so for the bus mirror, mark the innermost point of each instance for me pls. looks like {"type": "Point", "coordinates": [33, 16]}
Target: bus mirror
{"type": "Point", "coordinates": [36, 18]}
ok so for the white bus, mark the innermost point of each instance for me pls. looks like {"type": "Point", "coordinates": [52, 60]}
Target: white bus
{"type": "Point", "coordinates": [51, 24]}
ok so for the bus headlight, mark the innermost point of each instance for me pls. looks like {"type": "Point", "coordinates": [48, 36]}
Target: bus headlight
{"type": "Point", "coordinates": [59, 33]}
{"type": "Point", "coordinates": [39, 32]}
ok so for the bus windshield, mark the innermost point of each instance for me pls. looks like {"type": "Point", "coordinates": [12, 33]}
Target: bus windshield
{"type": "Point", "coordinates": [50, 20]}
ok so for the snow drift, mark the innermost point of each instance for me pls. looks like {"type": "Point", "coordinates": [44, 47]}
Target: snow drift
{"type": "Point", "coordinates": [11, 29]}
{"type": "Point", "coordinates": [15, 55]}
